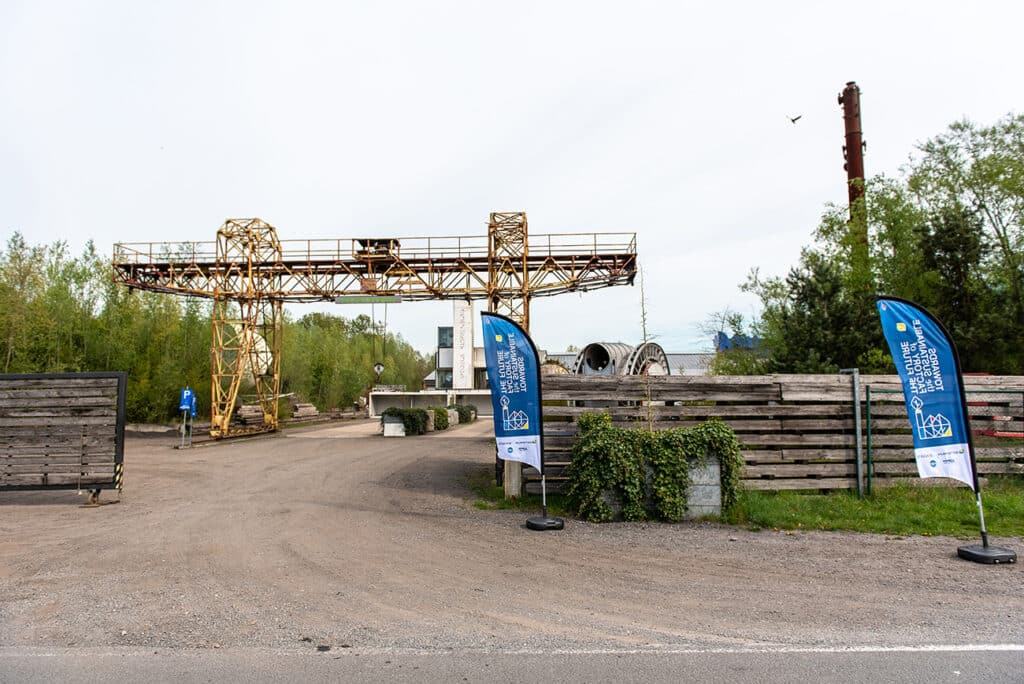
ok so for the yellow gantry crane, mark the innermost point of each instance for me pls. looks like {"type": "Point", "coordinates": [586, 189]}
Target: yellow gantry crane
{"type": "Point", "coordinates": [249, 273]}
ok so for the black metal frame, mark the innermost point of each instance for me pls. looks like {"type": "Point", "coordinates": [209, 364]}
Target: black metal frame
{"type": "Point", "coordinates": [115, 476]}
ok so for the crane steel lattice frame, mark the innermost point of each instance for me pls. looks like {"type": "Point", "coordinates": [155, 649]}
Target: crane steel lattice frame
{"type": "Point", "coordinates": [508, 277]}
{"type": "Point", "coordinates": [246, 323]}
{"type": "Point", "coordinates": [249, 273]}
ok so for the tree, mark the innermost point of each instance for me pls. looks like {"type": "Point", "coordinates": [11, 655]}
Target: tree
{"type": "Point", "coordinates": [949, 236]}
{"type": "Point", "coordinates": [981, 168]}
{"type": "Point", "coordinates": [61, 313]}
{"type": "Point", "coordinates": [811, 323]}
{"type": "Point", "coordinates": [21, 317]}
{"type": "Point", "coordinates": [740, 359]}
{"type": "Point", "coordinates": [329, 360]}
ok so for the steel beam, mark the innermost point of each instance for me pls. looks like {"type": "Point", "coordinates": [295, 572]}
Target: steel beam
{"type": "Point", "coordinates": [249, 273]}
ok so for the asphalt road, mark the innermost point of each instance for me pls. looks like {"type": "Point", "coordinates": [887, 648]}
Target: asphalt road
{"type": "Point", "coordinates": [330, 553]}
{"type": "Point", "coordinates": [85, 666]}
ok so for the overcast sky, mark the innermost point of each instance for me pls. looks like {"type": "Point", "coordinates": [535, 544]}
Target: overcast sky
{"type": "Point", "coordinates": [149, 121]}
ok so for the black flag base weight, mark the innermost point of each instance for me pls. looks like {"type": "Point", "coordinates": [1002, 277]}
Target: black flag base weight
{"type": "Point", "coordinates": [986, 554]}
{"type": "Point", "coordinates": [544, 523]}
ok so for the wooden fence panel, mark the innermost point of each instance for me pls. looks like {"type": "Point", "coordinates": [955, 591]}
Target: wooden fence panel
{"type": "Point", "coordinates": [796, 431]}
{"type": "Point", "coordinates": [62, 431]}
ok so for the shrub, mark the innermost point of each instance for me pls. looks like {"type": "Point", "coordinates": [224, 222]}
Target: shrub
{"type": "Point", "coordinates": [414, 419]}
{"type": "Point", "coordinates": [465, 411]}
{"type": "Point", "coordinates": [440, 417]}
{"type": "Point", "coordinates": [647, 471]}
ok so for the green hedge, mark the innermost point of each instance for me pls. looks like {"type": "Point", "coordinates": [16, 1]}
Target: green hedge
{"type": "Point", "coordinates": [414, 419]}
{"type": "Point", "coordinates": [617, 460]}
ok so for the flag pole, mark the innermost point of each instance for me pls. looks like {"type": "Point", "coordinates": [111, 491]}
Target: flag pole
{"type": "Point", "coordinates": [973, 552]}
{"type": "Point", "coordinates": [970, 450]}
{"type": "Point", "coordinates": [544, 522]}
{"type": "Point", "coordinates": [543, 496]}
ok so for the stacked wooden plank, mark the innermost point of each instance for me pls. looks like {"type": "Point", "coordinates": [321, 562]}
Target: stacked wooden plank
{"type": "Point", "coordinates": [301, 410]}
{"type": "Point", "coordinates": [250, 414]}
{"type": "Point", "coordinates": [61, 430]}
{"type": "Point", "coordinates": [797, 431]}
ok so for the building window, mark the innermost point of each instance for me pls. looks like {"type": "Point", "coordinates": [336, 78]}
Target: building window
{"type": "Point", "coordinates": [445, 337]}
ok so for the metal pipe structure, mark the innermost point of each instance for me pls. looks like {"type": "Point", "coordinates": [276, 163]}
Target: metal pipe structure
{"type": "Point", "coordinates": [853, 150]}
{"type": "Point", "coordinates": [602, 358]}
{"type": "Point", "coordinates": [853, 154]}
{"type": "Point", "coordinates": [617, 358]}
{"type": "Point", "coordinates": [855, 372]}
{"type": "Point", "coordinates": [648, 359]}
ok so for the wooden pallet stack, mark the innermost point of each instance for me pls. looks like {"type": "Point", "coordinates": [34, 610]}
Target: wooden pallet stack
{"type": "Point", "coordinates": [797, 431]}
{"type": "Point", "coordinates": [301, 410]}
{"type": "Point", "coordinates": [250, 414]}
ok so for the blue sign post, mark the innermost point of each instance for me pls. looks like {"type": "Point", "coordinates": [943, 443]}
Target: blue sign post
{"type": "Point", "coordinates": [929, 369]}
{"type": "Point", "coordinates": [513, 372]}
{"type": "Point", "coordinates": [187, 402]}
{"type": "Point", "coordinates": [187, 406]}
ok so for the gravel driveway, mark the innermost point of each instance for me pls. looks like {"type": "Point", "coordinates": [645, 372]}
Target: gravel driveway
{"type": "Point", "coordinates": [337, 537]}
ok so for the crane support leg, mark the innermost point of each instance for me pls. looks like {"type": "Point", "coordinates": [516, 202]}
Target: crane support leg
{"type": "Point", "coordinates": [508, 293]}
{"type": "Point", "coordinates": [246, 325]}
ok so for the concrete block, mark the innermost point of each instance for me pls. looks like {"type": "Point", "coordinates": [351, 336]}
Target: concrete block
{"type": "Point", "coordinates": [705, 495]}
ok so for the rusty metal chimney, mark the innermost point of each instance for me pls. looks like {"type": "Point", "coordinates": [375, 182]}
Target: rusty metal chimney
{"type": "Point", "coordinates": [853, 150]}
{"type": "Point", "coordinates": [853, 153]}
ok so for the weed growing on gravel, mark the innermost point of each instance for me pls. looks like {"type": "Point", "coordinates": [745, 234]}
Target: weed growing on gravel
{"type": "Point", "coordinates": [901, 509]}
{"type": "Point", "coordinates": [491, 497]}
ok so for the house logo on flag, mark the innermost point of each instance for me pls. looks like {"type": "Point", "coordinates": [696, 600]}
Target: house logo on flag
{"type": "Point", "coordinates": [513, 420]}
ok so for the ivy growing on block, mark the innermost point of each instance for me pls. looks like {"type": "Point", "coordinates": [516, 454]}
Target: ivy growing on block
{"type": "Point", "coordinates": [647, 471]}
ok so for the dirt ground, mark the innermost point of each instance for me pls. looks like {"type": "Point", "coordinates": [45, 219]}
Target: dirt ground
{"type": "Point", "coordinates": [334, 536]}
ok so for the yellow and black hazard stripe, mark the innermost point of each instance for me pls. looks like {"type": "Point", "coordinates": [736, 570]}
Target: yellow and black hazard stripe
{"type": "Point", "coordinates": [119, 476]}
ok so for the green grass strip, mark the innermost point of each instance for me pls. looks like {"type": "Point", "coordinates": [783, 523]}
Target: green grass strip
{"type": "Point", "coordinates": [900, 510]}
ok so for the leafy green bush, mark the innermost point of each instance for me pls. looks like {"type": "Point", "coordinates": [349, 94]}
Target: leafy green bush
{"type": "Point", "coordinates": [440, 417]}
{"type": "Point", "coordinates": [414, 419]}
{"type": "Point", "coordinates": [465, 411]}
{"type": "Point", "coordinates": [647, 471]}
